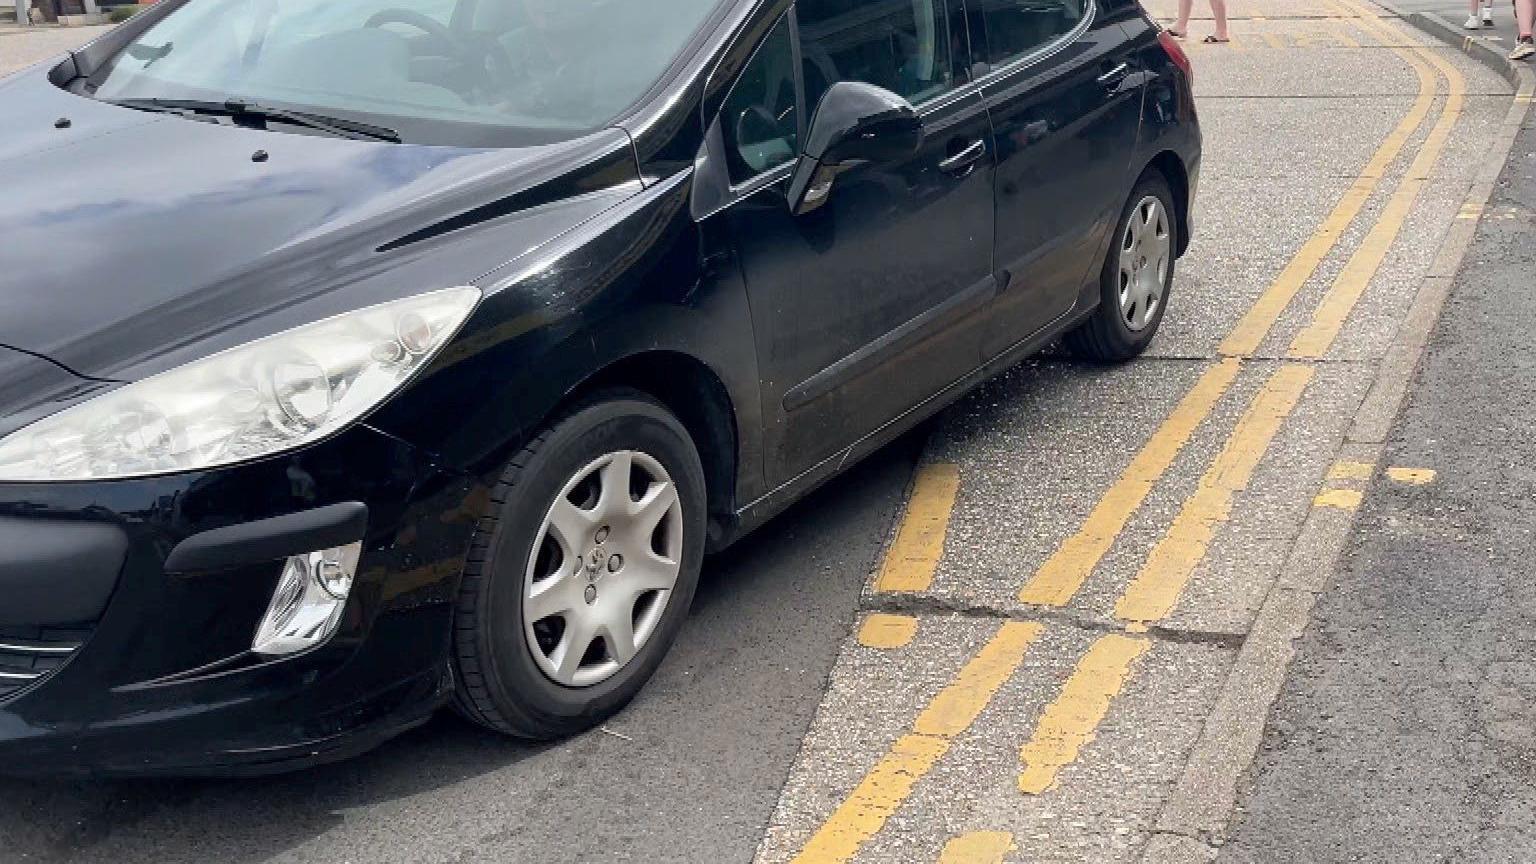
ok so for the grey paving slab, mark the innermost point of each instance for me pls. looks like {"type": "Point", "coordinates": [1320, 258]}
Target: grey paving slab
{"type": "Point", "coordinates": [1032, 468]}
{"type": "Point", "coordinates": [1246, 232]}
{"type": "Point", "coordinates": [1229, 586]}
{"type": "Point", "coordinates": [872, 698]}
{"type": "Point", "coordinates": [1106, 802]}
{"type": "Point", "coordinates": [1096, 601]}
{"type": "Point", "coordinates": [1247, 9]}
{"type": "Point", "coordinates": [1380, 310]}
{"type": "Point", "coordinates": [1256, 139]}
{"type": "Point", "coordinates": [1296, 73]}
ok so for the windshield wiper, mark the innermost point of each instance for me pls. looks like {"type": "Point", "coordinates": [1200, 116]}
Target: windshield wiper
{"type": "Point", "coordinates": [238, 109]}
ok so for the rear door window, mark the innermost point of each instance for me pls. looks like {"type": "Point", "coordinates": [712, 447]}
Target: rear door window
{"type": "Point", "coordinates": [1019, 28]}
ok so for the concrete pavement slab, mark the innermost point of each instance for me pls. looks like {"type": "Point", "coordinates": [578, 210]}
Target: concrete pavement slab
{"type": "Point", "coordinates": [1257, 138]}
{"type": "Point", "coordinates": [1106, 815]}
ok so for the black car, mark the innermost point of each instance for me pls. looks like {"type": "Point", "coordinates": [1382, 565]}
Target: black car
{"type": "Point", "coordinates": [365, 357]}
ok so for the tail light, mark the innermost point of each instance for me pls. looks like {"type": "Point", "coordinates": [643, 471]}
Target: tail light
{"type": "Point", "coordinates": [1176, 54]}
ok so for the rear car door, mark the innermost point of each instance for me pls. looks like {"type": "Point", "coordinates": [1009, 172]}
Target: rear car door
{"type": "Point", "coordinates": [1064, 89]}
{"type": "Point", "coordinates": [874, 302]}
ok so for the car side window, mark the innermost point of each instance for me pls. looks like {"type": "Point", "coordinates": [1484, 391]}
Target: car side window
{"type": "Point", "coordinates": [1017, 28]}
{"type": "Point", "coordinates": [906, 46]}
{"type": "Point", "coordinates": [759, 119]}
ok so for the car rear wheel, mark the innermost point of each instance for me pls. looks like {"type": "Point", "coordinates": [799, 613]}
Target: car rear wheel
{"type": "Point", "coordinates": [1136, 279]}
{"type": "Point", "coordinates": [581, 576]}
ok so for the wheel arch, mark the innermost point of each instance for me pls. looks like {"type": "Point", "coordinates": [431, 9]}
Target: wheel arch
{"type": "Point", "coordinates": [697, 395]}
{"type": "Point", "coordinates": [1168, 164]}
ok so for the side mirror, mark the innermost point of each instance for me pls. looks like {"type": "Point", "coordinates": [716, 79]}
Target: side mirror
{"type": "Point", "coordinates": [855, 123]}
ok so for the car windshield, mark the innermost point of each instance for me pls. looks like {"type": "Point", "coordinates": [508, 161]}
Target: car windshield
{"type": "Point", "coordinates": [440, 71]}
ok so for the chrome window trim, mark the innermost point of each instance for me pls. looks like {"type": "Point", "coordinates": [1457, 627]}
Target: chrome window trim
{"type": "Point", "coordinates": [1045, 51]}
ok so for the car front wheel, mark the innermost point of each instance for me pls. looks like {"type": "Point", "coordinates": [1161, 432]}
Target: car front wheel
{"type": "Point", "coordinates": [583, 573]}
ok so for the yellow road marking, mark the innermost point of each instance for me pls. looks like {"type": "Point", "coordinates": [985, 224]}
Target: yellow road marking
{"type": "Point", "coordinates": [1069, 566]}
{"type": "Point", "coordinates": [1346, 290]}
{"type": "Point", "coordinates": [1152, 594]}
{"type": "Point", "coordinates": [1412, 476]}
{"type": "Point", "coordinates": [1251, 329]}
{"type": "Point", "coordinates": [1351, 471]}
{"type": "Point", "coordinates": [1069, 723]}
{"type": "Point", "coordinates": [883, 631]}
{"type": "Point", "coordinates": [862, 814]}
{"type": "Point", "coordinates": [1065, 571]}
{"type": "Point", "coordinates": [914, 555]}
{"type": "Point", "coordinates": [1339, 499]}
{"type": "Point", "coordinates": [1469, 211]}
{"type": "Point", "coordinates": [1343, 34]}
{"type": "Point", "coordinates": [980, 847]}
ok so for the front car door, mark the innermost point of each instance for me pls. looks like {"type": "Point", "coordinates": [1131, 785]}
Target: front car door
{"type": "Point", "coordinates": [1064, 89]}
{"type": "Point", "coordinates": [875, 301]}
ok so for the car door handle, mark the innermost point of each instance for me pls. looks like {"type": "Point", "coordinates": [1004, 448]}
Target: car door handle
{"type": "Point", "coordinates": [965, 158]}
{"type": "Point", "coordinates": [1115, 75]}
{"type": "Point", "coordinates": [1122, 79]}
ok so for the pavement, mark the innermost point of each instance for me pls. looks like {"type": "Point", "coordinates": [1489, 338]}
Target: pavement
{"type": "Point", "coordinates": [1056, 625]}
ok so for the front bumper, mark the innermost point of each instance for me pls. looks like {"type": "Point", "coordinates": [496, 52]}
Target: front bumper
{"type": "Point", "coordinates": [121, 664]}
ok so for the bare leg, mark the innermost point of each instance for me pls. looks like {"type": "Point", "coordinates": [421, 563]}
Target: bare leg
{"type": "Point", "coordinates": [1219, 7]}
{"type": "Point", "coordinates": [1181, 26]}
{"type": "Point", "coordinates": [1525, 15]}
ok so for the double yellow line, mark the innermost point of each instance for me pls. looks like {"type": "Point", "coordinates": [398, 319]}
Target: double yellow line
{"type": "Point", "coordinates": [1069, 722]}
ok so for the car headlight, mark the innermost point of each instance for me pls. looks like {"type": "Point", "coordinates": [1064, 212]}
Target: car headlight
{"type": "Point", "coordinates": [262, 398]}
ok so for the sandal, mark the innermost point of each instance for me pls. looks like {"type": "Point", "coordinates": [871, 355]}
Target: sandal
{"type": "Point", "coordinates": [1177, 34]}
{"type": "Point", "coordinates": [1212, 40]}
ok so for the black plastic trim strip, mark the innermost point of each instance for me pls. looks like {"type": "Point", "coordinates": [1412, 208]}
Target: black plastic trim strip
{"type": "Point", "coordinates": [270, 539]}
{"type": "Point", "coordinates": [876, 353]}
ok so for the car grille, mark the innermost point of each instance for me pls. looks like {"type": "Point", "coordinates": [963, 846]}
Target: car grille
{"type": "Point", "coordinates": [28, 655]}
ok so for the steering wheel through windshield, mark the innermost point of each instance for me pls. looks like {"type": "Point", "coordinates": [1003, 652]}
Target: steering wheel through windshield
{"type": "Point", "coordinates": [486, 55]}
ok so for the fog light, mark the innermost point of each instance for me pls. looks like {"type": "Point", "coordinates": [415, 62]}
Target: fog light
{"type": "Point", "coordinates": [306, 607]}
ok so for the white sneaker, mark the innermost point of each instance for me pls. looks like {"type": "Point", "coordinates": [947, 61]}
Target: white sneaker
{"type": "Point", "coordinates": [1523, 49]}
{"type": "Point", "coordinates": [1487, 16]}
{"type": "Point", "coordinates": [1473, 23]}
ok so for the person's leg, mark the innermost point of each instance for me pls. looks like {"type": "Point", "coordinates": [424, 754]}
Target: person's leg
{"type": "Point", "coordinates": [1181, 27]}
{"type": "Point", "coordinates": [1525, 12]}
{"type": "Point", "coordinates": [1219, 8]}
{"type": "Point", "coordinates": [1476, 16]}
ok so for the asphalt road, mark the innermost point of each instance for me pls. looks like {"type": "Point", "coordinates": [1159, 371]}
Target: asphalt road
{"type": "Point", "coordinates": [1407, 731]}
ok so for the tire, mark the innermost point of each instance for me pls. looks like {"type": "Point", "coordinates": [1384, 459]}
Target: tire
{"type": "Point", "coordinates": [512, 674]}
{"type": "Point", "coordinates": [1117, 332]}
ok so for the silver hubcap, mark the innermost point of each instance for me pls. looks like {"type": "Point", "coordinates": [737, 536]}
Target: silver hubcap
{"type": "Point", "coordinates": [1145, 252]}
{"type": "Point", "coordinates": [606, 561]}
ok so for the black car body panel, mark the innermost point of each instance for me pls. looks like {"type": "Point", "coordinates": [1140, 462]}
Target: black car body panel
{"type": "Point", "coordinates": [788, 345]}
{"type": "Point", "coordinates": [323, 226]}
